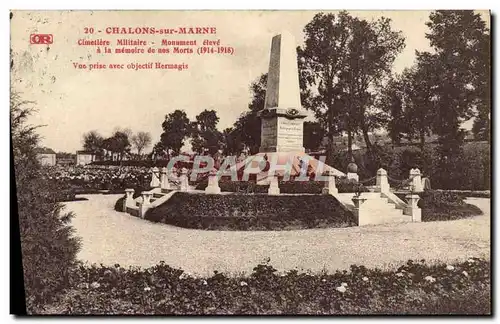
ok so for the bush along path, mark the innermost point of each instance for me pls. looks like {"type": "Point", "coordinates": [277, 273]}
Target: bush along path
{"type": "Point", "coordinates": [414, 288]}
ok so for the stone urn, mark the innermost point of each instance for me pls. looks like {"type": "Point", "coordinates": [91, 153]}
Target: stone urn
{"type": "Point", "coordinates": [352, 168]}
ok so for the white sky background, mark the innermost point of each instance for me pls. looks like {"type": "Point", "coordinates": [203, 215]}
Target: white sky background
{"type": "Point", "coordinates": [71, 102]}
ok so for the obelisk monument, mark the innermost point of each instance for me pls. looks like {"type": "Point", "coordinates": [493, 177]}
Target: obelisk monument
{"type": "Point", "coordinates": [282, 127]}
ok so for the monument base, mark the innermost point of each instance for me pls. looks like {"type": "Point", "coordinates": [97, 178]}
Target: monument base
{"type": "Point", "coordinates": [282, 130]}
{"type": "Point", "coordinates": [353, 176]}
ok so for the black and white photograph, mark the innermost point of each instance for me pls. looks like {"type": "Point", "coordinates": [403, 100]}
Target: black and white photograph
{"type": "Point", "coordinates": [251, 162]}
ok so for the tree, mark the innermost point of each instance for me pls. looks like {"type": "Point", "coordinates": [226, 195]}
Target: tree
{"type": "Point", "coordinates": [176, 127]}
{"type": "Point", "coordinates": [457, 38]}
{"type": "Point", "coordinates": [409, 101]}
{"type": "Point", "coordinates": [321, 61]}
{"type": "Point", "coordinates": [93, 142]}
{"type": "Point", "coordinates": [159, 151]}
{"type": "Point", "coordinates": [313, 135]}
{"type": "Point", "coordinates": [391, 101]}
{"type": "Point", "coordinates": [247, 128]}
{"type": "Point", "coordinates": [232, 141]}
{"type": "Point", "coordinates": [117, 144]}
{"type": "Point", "coordinates": [140, 141]}
{"type": "Point", "coordinates": [459, 41]}
{"type": "Point", "coordinates": [482, 72]}
{"type": "Point", "coordinates": [347, 59]}
{"type": "Point", "coordinates": [205, 136]}
{"type": "Point", "coordinates": [48, 244]}
{"type": "Point", "coordinates": [420, 83]}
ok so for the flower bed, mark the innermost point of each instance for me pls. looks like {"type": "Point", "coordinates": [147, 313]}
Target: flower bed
{"type": "Point", "coordinates": [84, 180]}
{"type": "Point", "coordinates": [287, 187]}
{"type": "Point", "coordinates": [414, 288]}
{"type": "Point", "coordinates": [251, 212]}
{"type": "Point", "coordinates": [439, 205]}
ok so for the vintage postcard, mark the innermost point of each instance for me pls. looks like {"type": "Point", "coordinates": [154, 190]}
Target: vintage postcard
{"type": "Point", "coordinates": [251, 162]}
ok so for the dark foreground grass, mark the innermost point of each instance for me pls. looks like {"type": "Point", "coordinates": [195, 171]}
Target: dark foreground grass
{"type": "Point", "coordinates": [415, 288]}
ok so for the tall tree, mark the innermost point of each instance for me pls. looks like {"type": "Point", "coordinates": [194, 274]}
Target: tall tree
{"type": "Point", "coordinates": [176, 128]}
{"type": "Point", "coordinates": [371, 53]}
{"type": "Point", "coordinates": [93, 142]}
{"type": "Point", "coordinates": [392, 101]}
{"type": "Point", "coordinates": [458, 39]}
{"type": "Point", "coordinates": [140, 141]}
{"type": "Point", "coordinates": [205, 135]}
{"type": "Point", "coordinates": [232, 141]}
{"type": "Point", "coordinates": [420, 84]}
{"type": "Point", "coordinates": [347, 58]}
{"type": "Point", "coordinates": [321, 61]}
{"type": "Point", "coordinates": [118, 144]}
{"type": "Point", "coordinates": [247, 127]}
{"type": "Point", "coordinates": [313, 135]}
{"type": "Point", "coordinates": [458, 42]}
{"type": "Point", "coordinates": [48, 242]}
{"type": "Point", "coordinates": [482, 84]}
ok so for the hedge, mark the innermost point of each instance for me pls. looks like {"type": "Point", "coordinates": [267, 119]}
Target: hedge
{"type": "Point", "coordinates": [251, 212]}
{"type": "Point", "coordinates": [414, 288]}
{"type": "Point", "coordinates": [144, 163]}
{"type": "Point", "coordinates": [471, 170]}
{"type": "Point", "coordinates": [287, 187]}
{"type": "Point", "coordinates": [439, 205]}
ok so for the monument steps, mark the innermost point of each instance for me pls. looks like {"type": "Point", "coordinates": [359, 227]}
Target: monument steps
{"type": "Point", "coordinates": [380, 208]}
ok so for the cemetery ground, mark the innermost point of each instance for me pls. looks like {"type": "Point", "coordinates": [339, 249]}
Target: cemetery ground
{"type": "Point", "coordinates": [153, 268]}
{"type": "Point", "coordinates": [111, 237]}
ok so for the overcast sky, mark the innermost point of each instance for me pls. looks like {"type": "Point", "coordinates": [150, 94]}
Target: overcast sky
{"type": "Point", "coordinates": [71, 101]}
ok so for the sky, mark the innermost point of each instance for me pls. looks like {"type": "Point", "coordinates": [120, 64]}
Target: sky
{"type": "Point", "coordinates": [72, 101]}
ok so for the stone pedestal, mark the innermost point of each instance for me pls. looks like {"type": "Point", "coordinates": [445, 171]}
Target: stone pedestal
{"type": "Point", "coordinates": [213, 184]}
{"type": "Point", "coordinates": [183, 178]}
{"type": "Point", "coordinates": [382, 184]}
{"type": "Point", "coordinates": [165, 184]}
{"type": "Point", "coordinates": [129, 199]}
{"type": "Point", "coordinates": [416, 179]}
{"type": "Point", "coordinates": [360, 212]}
{"type": "Point", "coordinates": [155, 178]}
{"type": "Point", "coordinates": [330, 187]}
{"type": "Point", "coordinates": [274, 188]}
{"type": "Point", "coordinates": [412, 208]}
{"type": "Point", "coordinates": [145, 204]}
{"type": "Point", "coordinates": [352, 176]}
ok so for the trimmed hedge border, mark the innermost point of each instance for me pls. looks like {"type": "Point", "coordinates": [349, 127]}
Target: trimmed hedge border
{"type": "Point", "coordinates": [286, 187]}
{"type": "Point", "coordinates": [470, 193]}
{"type": "Point", "coordinates": [251, 212]}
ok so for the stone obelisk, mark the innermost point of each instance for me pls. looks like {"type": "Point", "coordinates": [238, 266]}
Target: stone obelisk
{"type": "Point", "coordinates": [282, 127]}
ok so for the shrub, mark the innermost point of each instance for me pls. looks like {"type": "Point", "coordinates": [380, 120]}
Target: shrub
{"type": "Point", "coordinates": [251, 212]}
{"type": "Point", "coordinates": [48, 244]}
{"type": "Point", "coordinates": [413, 288]}
{"type": "Point", "coordinates": [442, 205]}
{"type": "Point", "coordinates": [471, 172]}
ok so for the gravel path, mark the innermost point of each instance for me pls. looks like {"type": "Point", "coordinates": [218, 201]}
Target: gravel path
{"type": "Point", "coordinates": [111, 237]}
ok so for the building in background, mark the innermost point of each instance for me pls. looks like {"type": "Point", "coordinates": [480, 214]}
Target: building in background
{"type": "Point", "coordinates": [65, 159]}
{"type": "Point", "coordinates": [46, 156]}
{"type": "Point", "coordinates": [84, 157]}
